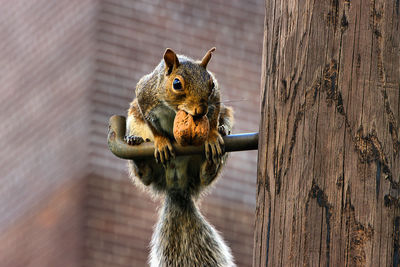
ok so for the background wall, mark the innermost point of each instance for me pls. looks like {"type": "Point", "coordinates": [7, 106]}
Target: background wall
{"type": "Point", "coordinates": [67, 67]}
{"type": "Point", "coordinates": [47, 67]}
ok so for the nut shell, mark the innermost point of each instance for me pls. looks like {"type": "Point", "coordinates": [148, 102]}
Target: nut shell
{"type": "Point", "coordinates": [190, 131]}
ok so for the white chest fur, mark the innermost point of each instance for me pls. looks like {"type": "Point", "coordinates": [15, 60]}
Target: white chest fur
{"type": "Point", "coordinates": [163, 118]}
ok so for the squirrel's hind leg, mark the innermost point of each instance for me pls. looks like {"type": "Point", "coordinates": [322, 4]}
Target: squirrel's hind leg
{"type": "Point", "coordinates": [209, 171]}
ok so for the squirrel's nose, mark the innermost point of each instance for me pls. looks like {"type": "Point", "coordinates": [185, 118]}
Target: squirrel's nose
{"type": "Point", "coordinates": [200, 111]}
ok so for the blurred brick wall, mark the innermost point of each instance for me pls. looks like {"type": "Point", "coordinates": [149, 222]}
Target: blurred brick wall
{"type": "Point", "coordinates": [50, 234]}
{"type": "Point", "coordinates": [67, 66]}
{"type": "Point", "coordinates": [46, 59]}
{"type": "Point", "coordinates": [119, 223]}
{"type": "Point", "coordinates": [132, 36]}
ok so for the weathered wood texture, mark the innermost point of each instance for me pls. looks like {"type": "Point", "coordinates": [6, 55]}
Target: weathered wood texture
{"type": "Point", "coordinates": [329, 164]}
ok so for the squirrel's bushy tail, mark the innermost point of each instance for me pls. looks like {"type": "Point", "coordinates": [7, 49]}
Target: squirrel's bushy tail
{"type": "Point", "coordinates": [183, 237]}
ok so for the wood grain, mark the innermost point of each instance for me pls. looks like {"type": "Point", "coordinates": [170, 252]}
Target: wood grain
{"type": "Point", "coordinates": [329, 163]}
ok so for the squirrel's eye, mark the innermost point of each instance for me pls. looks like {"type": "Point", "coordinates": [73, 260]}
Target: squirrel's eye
{"type": "Point", "coordinates": [177, 84]}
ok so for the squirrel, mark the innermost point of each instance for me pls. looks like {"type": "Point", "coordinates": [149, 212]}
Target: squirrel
{"type": "Point", "coordinates": [182, 236]}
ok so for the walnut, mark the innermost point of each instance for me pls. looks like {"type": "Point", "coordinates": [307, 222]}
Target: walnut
{"type": "Point", "coordinates": [189, 130]}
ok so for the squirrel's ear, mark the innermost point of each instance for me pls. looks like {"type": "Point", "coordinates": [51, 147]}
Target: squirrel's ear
{"type": "Point", "coordinates": [207, 58]}
{"type": "Point", "coordinates": [171, 60]}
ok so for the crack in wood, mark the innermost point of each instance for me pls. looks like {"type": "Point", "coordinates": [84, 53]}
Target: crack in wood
{"type": "Point", "coordinates": [283, 150]}
{"type": "Point", "coordinates": [284, 94]}
{"type": "Point", "coordinates": [369, 149]}
{"type": "Point", "coordinates": [267, 181]}
{"type": "Point", "coordinates": [278, 159]}
{"type": "Point", "coordinates": [310, 99]}
{"type": "Point", "coordinates": [344, 23]}
{"type": "Point", "coordinates": [330, 86]}
{"type": "Point", "coordinates": [375, 20]}
{"type": "Point", "coordinates": [396, 241]}
{"type": "Point", "coordinates": [339, 181]}
{"type": "Point", "coordinates": [376, 25]}
{"type": "Point", "coordinates": [322, 199]}
{"type": "Point", "coordinates": [284, 91]}
{"type": "Point", "coordinates": [278, 172]}
{"type": "Point", "coordinates": [268, 235]}
{"type": "Point", "coordinates": [377, 179]}
{"type": "Point", "coordinates": [358, 234]}
{"type": "Point", "coordinates": [392, 125]}
{"type": "Point", "coordinates": [390, 201]}
{"type": "Point", "coordinates": [332, 17]}
{"type": "Point", "coordinates": [275, 49]}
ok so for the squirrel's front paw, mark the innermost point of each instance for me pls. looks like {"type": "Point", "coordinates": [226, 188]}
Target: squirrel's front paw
{"type": "Point", "coordinates": [223, 130]}
{"type": "Point", "coordinates": [133, 140]}
{"type": "Point", "coordinates": [214, 146]}
{"type": "Point", "coordinates": [163, 149]}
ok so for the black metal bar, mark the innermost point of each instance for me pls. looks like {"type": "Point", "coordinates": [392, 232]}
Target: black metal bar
{"type": "Point", "coordinates": [118, 146]}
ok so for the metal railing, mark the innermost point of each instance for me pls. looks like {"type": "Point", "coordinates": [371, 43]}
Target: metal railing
{"type": "Point", "coordinates": [118, 146]}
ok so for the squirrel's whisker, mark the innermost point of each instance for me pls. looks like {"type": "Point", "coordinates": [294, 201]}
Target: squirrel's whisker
{"type": "Point", "coordinates": [232, 101]}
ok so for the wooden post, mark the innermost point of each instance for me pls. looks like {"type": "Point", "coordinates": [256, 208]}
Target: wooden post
{"type": "Point", "coordinates": [329, 154]}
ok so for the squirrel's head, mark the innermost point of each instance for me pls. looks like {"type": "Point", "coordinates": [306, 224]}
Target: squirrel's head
{"type": "Point", "coordinates": [188, 84]}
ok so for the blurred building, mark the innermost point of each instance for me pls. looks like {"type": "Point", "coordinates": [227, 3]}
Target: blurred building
{"type": "Point", "coordinates": [66, 67]}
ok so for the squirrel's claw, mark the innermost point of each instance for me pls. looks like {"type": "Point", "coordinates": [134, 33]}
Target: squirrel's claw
{"type": "Point", "coordinates": [163, 150]}
{"type": "Point", "coordinates": [133, 140]}
{"type": "Point", "coordinates": [214, 147]}
{"type": "Point", "coordinates": [223, 130]}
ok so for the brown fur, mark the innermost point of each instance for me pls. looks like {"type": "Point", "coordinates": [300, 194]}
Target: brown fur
{"type": "Point", "coordinates": [182, 236]}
